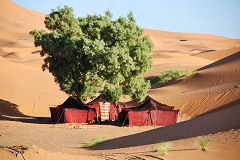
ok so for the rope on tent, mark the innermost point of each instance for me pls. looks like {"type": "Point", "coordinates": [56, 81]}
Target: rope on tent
{"type": "Point", "coordinates": [61, 117]}
{"type": "Point", "coordinates": [146, 117]}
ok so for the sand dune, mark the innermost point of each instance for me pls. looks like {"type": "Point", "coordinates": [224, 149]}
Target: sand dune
{"type": "Point", "coordinates": [212, 96]}
{"type": "Point", "coordinates": [23, 83]}
{"type": "Point", "coordinates": [28, 56]}
{"type": "Point", "coordinates": [213, 86]}
{"type": "Point", "coordinates": [187, 50]}
{"type": "Point", "coordinates": [28, 87]}
{"type": "Point", "coordinates": [217, 55]}
{"type": "Point", "coordinates": [18, 22]}
{"type": "Point", "coordinates": [189, 43]}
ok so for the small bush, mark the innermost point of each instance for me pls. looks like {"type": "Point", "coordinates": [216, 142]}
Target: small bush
{"type": "Point", "coordinates": [202, 143]}
{"type": "Point", "coordinates": [167, 76]}
{"type": "Point", "coordinates": [163, 148]}
{"type": "Point", "coordinates": [176, 75]}
{"type": "Point", "coordinates": [2, 145]}
{"type": "Point", "coordinates": [94, 142]}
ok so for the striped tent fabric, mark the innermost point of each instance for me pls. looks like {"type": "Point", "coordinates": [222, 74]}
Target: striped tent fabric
{"type": "Point", "coordinates": [104, 110]}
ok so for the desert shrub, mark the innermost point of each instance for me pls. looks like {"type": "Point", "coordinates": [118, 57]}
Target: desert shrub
{"type": "Point", "coordinates": [202, 143]}
{"type": "Point", "coordinates": [163, 148]}
{"type": "Point", "coordinates": [94, 142]}
{"type": "Point", "coordinates": [167, 76]}
{"type": "Point", "coordinates": [2, 145]}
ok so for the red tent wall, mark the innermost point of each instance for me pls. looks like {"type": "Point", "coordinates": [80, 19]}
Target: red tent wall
{"type": "Point", "coordinates": [75, 115]}
{"type": "Point", "coordinates": [152, 117]}
{"type": "Point", "coordinates": [79, 116]}
{"type": "Point", "coordinates": [164, 118]}
{"type": "Point", "coordinates": [139, 118]}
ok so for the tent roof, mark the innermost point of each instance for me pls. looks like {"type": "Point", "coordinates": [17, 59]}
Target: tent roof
{"type": "Point", "coordinates": [74, 102]}
{"type": "Point", "coordinates": [131, 103]}
{"type": "Point", "coordinates": [148, 104]}
{"type": "Point", "coordinates": [99, 98]}
{"type": "Point", "coordinates": [151, 104]}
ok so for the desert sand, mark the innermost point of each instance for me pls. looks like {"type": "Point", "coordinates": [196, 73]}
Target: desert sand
{"type": "Point", "coordinates": [208, 101]}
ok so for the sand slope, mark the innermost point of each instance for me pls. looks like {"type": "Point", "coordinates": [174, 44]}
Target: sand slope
{"type": "Point", "coordinates": [23, 83]}
{"type": "Point", "coordinates": [28, 87]}
{"type": "Point", "coordinates": [188, 43]}
{"type": "Point", "coordinates": [18, 22]}
{"type": "Point", "coordinates": [217, 55]}
{"type": "Point", "coordinates": [213, 86]}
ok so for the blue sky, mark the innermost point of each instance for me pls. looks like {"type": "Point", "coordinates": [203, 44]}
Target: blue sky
{"type": "Point", "coordinates": [220, 17]}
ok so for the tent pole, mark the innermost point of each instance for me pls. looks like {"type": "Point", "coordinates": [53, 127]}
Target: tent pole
{"type": "Point", "coordinates": [124, 120]}
{"type": "Point", "coordinates": [151, 117]}
{"type": "Point", "coordinates": [87, 116]}
{"type": "Point", "coordinates": [156, 118]}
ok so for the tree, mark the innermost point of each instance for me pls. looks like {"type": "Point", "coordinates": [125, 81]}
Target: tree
{"type": "Point", "coordinates": [95, 54]}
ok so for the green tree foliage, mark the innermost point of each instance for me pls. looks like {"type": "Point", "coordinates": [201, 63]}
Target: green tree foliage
{"type": "Point", "coordinates": [113, 94]}
{"type": "Point", "coordinates": [95, 54]}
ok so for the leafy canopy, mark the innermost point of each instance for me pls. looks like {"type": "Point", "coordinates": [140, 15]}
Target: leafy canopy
{"type": "Point", "coordinates": [95, 54]}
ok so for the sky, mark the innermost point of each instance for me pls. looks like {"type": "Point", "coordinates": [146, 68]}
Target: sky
{"type": "Point", "coordinates": [219, 17]}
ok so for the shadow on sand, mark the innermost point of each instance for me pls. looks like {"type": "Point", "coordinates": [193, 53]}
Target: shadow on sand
{"type": "Point", "coordinates": [9, 111]}
{"type": "Point", "coordinates": [220, 120]}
